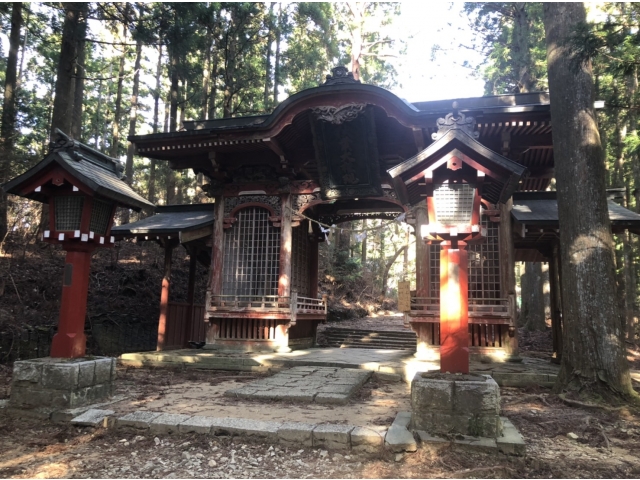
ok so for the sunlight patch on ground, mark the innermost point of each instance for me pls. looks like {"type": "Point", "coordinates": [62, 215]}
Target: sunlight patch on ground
{"type": "Point", "coordinates": [418, 366]}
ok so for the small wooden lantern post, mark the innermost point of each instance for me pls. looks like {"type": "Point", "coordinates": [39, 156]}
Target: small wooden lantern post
{"type": "Point", "coordinates": [82, 187]}
{"type": "Point", "coordinates": [451, 174]}
{"type": "Point", "coordinates": [80, 222]}
{"type": "Point", "coordinates": [454, 219]}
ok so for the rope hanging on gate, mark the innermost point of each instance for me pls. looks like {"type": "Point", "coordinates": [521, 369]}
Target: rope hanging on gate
{"type": "Point", "coordinates": [360, 234]}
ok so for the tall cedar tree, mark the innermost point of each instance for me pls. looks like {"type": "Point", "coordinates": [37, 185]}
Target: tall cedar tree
{"type": "Point", "coordinates": [65, 78]}
{"type": "Point", "coordinates": [7, 129]}
{"type": "Point", "coordinates": [594, 348]}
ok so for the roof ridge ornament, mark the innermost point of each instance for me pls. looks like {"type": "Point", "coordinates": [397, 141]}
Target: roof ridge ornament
{"type": "Point", "coordinates": [339, 75]}
{"type": "Point", "coordinates": [455, 121]}
{"type": "Point", "coordinates": [61, 142]}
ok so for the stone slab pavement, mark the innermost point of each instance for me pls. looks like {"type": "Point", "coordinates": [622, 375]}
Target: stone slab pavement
{"type": "Point", "coordinates": [323, 435]}
{"type": "Point", "coordinates": [306, 384]}
{"type": "Point", "coordinates": [400, 364]}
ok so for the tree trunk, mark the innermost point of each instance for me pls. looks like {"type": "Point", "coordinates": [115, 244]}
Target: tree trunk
{"type": "Point", "coordinates": [357, 12]}
{"type": "Point", "coordinates": [276, 66]}
{"type": "Point", "coordinates": [115, 128]}
{"type": "Point", "coordinates": [206, 72]}
{"type": "Point", "coordinates": [363, 252]}
{"type": "Point", "coordinates": [555, 300]}
{"type": "Point", "coordinates": [133, 117]}
{"type": "Point", "coordinates": [594, 352]}
{"type": "Point", "coordinates": [521, 48]}
{"type": "Point", "coordinates": [532, 312]}
{"type": "Point", "coordinates": [175, 79]}
{"type": "Point", "coordinates": [65, 72]}
{"type": "Point", "coordinates": [214, 90]}
{"type": "Point", "coordinates": [156, 116]}
{"type": "Point", "coordinates": [629, 286]}
{"type": "Point", "coordinates": [7, 129]}
{"type": "Point", "coordinates": [183, 100]}
{"type": "Point", "coordinates": [267, 57]}
{"type": "Point", "coordinates": [104, 123]}
{"type": "Point", "coordinates": [173, 123]}
{"type": "Point", "coordinates": [387, 268]}
{"type": "Point", "coordinates": [24, 48]}
{"type": "Point", "coordinates": [78, 92]}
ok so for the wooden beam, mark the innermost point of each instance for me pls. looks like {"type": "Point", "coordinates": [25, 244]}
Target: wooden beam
{"type": "Point", "coordinates": [418, 138]}
{"type": "Point", "coordinates": [193, 262]}
{"type": "Point", "coordinates": [275, 146]}
{"type": "Point", "coordinates": [191, 235]}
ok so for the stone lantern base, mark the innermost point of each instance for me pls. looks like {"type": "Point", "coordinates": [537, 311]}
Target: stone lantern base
{"type": "Point", "coordinates": [444, 403]}
{"type": "Point", "coordinates": [44, 385]}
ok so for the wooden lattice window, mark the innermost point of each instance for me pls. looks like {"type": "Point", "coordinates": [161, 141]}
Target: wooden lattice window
{"type": "Point", "coordinates": [251, 254]}
{"type": "Point", "coordinates": [484, 265]}
{"type": "Point", "coordinates": [68, 212]}
{"type": "Point", "coordinates": [300, 260]}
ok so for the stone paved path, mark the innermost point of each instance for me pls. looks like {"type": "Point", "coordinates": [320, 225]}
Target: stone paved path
{"type": "Point", "coordinates": [401, 363]}
{"type": "Point", "coordinates": [306, 384]}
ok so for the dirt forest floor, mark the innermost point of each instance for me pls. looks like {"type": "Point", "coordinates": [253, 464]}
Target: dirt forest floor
{"type": "Point", "coordinates": [607, 443]}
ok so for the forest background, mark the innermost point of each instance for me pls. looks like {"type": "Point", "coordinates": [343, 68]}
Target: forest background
{"type": "Point", "coordinates": [136, 68]}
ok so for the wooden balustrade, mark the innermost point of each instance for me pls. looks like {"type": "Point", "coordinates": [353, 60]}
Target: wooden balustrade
{"type": "Point", "coordinates": [491, 310]}
{"type": "Point", "coordinates": [489, 321]}
{"type": "Point", "coordinates": [267, 303]}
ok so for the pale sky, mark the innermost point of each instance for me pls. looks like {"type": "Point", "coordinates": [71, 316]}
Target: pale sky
{"type": "Point", "coordinates": [423, 25]}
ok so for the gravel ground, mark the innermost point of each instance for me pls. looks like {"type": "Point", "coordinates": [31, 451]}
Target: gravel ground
{"type": "Point", "coordinates": [606, 445]}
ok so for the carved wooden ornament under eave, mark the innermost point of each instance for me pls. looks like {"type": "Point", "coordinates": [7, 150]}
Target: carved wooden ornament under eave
{"type": "Point", "coordinates": [346, 151]}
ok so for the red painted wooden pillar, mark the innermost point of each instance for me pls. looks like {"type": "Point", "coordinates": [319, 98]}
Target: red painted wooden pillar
{"type": "Point", "coordinates": [454, 309]}
{"type": "Point", "coordinates": [70, 341]}
{"type": "Point", "coordinates": [164, 297]}
{"type": "Point", "coordinates": [191, 291]}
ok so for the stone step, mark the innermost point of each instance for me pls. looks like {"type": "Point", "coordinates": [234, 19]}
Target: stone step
{"type": "Point", "coordinates": [371, 339]}
{"type": "Point", "coordinates": [372, 347]}
{"type": "Point", "coordinates": [367, 339]}
{"type": "Point", "coordinates": [372, 333]}
{"type": "Point", "coordinates": [352, 341]}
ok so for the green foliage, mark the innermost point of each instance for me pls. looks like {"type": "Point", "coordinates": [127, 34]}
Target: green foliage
{"type": "Point", "coordinates": [511, 36]}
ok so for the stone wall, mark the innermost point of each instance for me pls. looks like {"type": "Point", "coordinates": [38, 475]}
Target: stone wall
{"type": "Point", "coordinates": [49, 384]}
{"type": "Point", "coordinates": [456, 404]}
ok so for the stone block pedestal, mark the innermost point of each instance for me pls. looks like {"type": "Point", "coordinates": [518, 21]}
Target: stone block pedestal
{"type": "Point", "coordinates": [455, 403]}
{"type": "Point", "coordinates": [49, 384]}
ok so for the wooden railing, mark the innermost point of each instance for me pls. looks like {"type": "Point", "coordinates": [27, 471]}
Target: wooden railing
{"type": "Point", "coordinates": [499, 308]}
{"type": "Point", "coordinates": [311, 305]}
{"type": "Point", "coordinates": [268, 303]}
